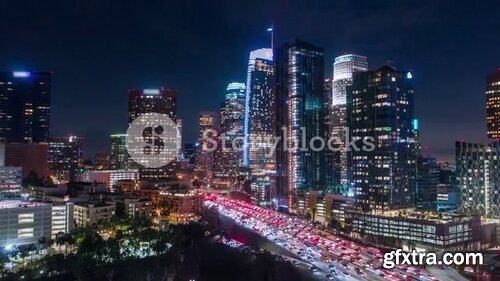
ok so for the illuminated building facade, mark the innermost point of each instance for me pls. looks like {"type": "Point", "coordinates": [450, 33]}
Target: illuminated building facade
{"type": "Point", "coordinates": [25, 106]}
{"type": "Point", "coordinates": [343, 68]}
{"type": "Point", "coordinates": [184, 206]}
{"type": "Point", "coordinates": [10, 182]}
{"type": "Point", "coordinates": [299, 116]}
{"type": "Point", "coordinates": [209, 123]}
{"type": "Point", "coordinates": [138, 207]}
{"type": "Point", "coordinates": [62, 219]}
{"type": "Point", "coordinates": [331, 173]}
{"type": "Point", "coordinates": [232, 110]}
{"type": "Point", "coordinates": [228, 158]}
{"type": "Point", "coordinates": [259, 124]}
{"type": "Point", "coordinates": [65, 157]}
{"type": "Point", "coordinates": [111, 177]}
{"type": "Point", "coordinates": [86, 214]}
{"type": "Point", "coordinates": [326, 208]}
{"type": "Point", "coordinates": [478, 178]}
{"type": "Point", "coordinates": [163, 101]}
{"type": "Point", "coordinates": [380, 112]}
{"type": "Point", "coordinates": [118, 158]}
{"type": "Point", "coordinates": [23, 222]}
{"type": "Point", "coordinates": [493, 104]}
{"type": "Point", "coordinates": [448, 231]}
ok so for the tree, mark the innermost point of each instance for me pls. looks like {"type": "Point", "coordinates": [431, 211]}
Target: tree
{"type": "Point", "coordinates": [23, 253]}
{"type": "Point", "coordinates": [4, 259]}
{"type": "Point", "coordinates": [336, 225]}
{"type": "Point", "coordinates": [32, 179]}
{"type": "Point", "coordinates": [55, 263]}
{"type": "Point", "coordinates": [313, 213]}
{"type": "Point", "coordinates": [120, 210]}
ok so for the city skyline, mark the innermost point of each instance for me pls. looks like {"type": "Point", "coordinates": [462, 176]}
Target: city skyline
{"type": "Point", "coordinates": [442, 60]}
{"type": "Point", "coordinates": [292, 140]}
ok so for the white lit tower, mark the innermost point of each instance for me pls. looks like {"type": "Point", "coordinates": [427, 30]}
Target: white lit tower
{"type": "Point", "coordinates": [343, 68]}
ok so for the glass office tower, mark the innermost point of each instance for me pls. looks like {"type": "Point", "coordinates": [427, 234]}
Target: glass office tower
{"type": "Point", "coordinates": [300, 119]}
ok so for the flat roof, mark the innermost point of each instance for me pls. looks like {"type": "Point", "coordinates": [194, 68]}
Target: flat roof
{"type": "Point", "coordinates": [10, 204]}
{"type": "Point", "coordinates": [428, 216]}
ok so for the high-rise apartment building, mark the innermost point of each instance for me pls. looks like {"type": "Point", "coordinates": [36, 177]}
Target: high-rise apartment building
{"type": "Point", "coordinates": [65, 157]}
{"type": "Point", "coordinates": [380, 117]}
{"type": "Point", "coordinates": [478, 178]}
{"type": "Point", "coordinates": [300, 119]}
{"type": "Point", "coordinates": [25, 106]}
{"type": "Point", "coordinates": [493, 104]}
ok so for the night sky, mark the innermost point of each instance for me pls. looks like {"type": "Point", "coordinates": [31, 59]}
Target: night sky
{"type": "Point", "coordinates": [97, 50]}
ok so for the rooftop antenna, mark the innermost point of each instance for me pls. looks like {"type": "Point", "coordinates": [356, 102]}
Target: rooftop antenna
{"type": "Point", "coordinates": [271, 29]}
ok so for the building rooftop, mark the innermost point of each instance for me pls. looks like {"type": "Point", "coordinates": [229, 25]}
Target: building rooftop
{"type": "Point", "coordinates": [10, 204]}
{"type": "Point", "coordinates": [429, 216]}
{"type": "Point", "coordinates": [94, 204]}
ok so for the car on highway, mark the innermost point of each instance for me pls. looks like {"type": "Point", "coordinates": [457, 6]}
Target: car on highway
{"type": "Point", "coordinates": [330, 277]}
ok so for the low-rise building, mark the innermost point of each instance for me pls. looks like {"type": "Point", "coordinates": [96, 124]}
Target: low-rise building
{"type": "Point", "coordinates": [138, 207]}
{"type": "Point", "coordinates": [326, 208]}
{"type": "Point", "coordinates": [407, 228]}
{"type": "Point", "coordinates": [183, 205]}
{"type": "Point", "coordinates": [110, 177]}
{"type": "Point", "coordinates": [24, 222]}
{"type": "Point", "coordinates": [86, 214]}
{"type": "Point", "coordinates": [62, 219]}
{"type": "Point", "coordinates": [127, 185]}
{"type": "Point", "coordinates": [10, 182]}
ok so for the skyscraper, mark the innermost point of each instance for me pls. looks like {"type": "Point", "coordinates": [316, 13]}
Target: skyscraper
{"type": "Point", "coordinates": [478, 178]}
{"type": "Point", "coordinates": [118, 158]}
{"type": "Point", "coordinates": [343, 68]}
{"type": "Point", "coordinates": [380, 111]}
{"type": "Point", "coordinates": [428, 180]}
{"type": "Point", "coordinates": [161, 100]}
{"type": "Point", "coordinates": [332, 173]}
{"type": "Point", "coordinates": [164, 101]}
{"type": "Point", "coordinates": [259, 124]}
{"type": "Point", "coordinates": [300, 118]}
{"type": "Point", "coordinates": [25, 106]}
{"type": "Point", "coordinates": [209, 123]}
{"type": "Point", "coordinates": [65, 157]}
{"type": "Point", "coordinates": [493, 104]}
{"type": "Point", "coordinates": [228, 158]}
{"type": "Point", "coordinates": [232, 110]}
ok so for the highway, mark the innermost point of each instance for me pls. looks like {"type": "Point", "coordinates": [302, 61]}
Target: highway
{"type": "Point", "coordinates": [328, 257]}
